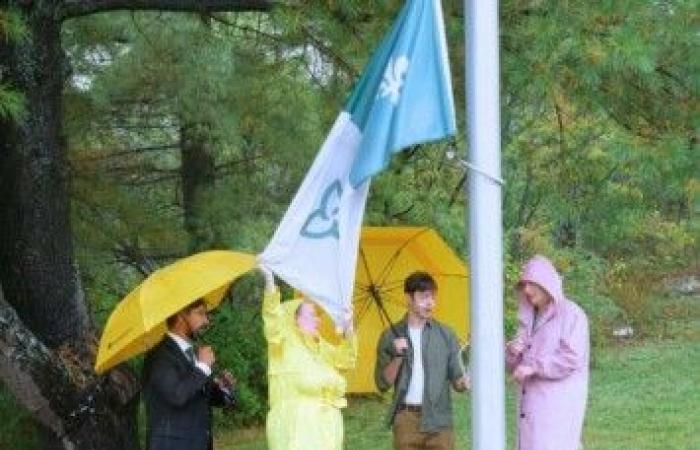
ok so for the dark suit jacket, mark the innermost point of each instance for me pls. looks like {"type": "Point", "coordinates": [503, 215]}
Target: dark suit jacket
{"type": "Point", "coordinates": [178, 398]}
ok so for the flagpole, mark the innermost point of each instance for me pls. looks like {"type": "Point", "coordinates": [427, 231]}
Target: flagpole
{"type": "Point", "coordinates": [485, 225]}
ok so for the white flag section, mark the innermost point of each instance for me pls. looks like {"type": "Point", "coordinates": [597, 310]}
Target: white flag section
{"type": "Point", "coordinates": [315, 246]}
{"type": "Point", "coordinates": [403, 98]}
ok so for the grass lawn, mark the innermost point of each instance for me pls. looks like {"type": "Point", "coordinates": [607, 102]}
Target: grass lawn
{"type": "Point", "coordinates": [646, 397]}
{"type": "Point", "coordinates": [643, 396]}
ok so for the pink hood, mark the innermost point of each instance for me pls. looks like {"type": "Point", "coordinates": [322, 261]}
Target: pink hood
{"type": "Point", "coordinates": [541, 271]}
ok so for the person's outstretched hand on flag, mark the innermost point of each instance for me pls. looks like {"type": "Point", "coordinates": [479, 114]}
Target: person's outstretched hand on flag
{"type": "Point", "coordinates": [270, 285]}
{"type": "Point", "coordinates": [347, 328]}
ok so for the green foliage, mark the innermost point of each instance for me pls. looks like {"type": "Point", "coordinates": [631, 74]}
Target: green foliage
{"type": "Point", "coordinates": [585, 275]}
{"type": "Point", "coordinates": [599, 136]}
{"type": "Point", "coordinates": [12, 25]}
{"type": "Point", "coordinates": [17, 429]}
{"type": "Point", "coordinates": [634, 292]}
{"type": "Point", "coordinates": [236, 334]}
{"type": "Point", "coordinates": [11, 103]}
{"type": "Point", "coordinates": [421, 187]}
{"type": "Point", "coordinates": [12, 28]}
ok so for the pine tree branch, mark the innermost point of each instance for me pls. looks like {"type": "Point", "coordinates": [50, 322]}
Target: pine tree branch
{"type": "Point", "coordinates": [79, 8]}
{"type": "Point", "coordinates": [130, 152]}
{"type": "Point", "coordinates": [325, 49]}
{"type": "Point", "coordinates": [347, 68]}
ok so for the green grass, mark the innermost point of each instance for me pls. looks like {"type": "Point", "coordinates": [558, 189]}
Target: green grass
{"type": "Point", "coordinates": [17, 431]}
{"type": "Point", "coordinates": [642, 397]}
{"type": "Point", "coordinates": [646, 397]}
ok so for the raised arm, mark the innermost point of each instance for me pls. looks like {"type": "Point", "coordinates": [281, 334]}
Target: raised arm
{"type": "Point", "coordinates": [273, 316]}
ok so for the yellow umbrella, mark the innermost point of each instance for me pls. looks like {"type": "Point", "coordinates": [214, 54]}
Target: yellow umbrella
{"type": "Point", "coordinates": [387, 256]}
{"type": "Point", "coordinates": [138, 321]}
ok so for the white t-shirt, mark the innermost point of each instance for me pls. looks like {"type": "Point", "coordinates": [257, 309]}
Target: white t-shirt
{"type": "Point", "coordinates": [414, 396]}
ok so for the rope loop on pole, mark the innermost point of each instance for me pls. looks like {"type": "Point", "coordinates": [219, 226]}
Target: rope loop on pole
{"type": "Point", "coordinates": [467, 165]}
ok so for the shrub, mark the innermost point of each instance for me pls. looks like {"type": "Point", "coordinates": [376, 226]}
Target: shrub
{"type": "Point", "coordinates": [17, 429]}
{"type": "Point", "coordinates": [237, 337]}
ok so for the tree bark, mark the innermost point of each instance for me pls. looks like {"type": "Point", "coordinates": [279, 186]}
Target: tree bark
{"type": "Point", "coordinates": [36, 247]}
{"type": "Point", "coordinates": [77, 8]}
{"type": "Point", "coordinates": [79, 410]}
{"type": "Point", "coordinates": [46, 343]}
{"type": "Point", "coordinates": [198, 172]}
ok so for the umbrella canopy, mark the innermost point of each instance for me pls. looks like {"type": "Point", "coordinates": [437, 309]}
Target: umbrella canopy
{"type": "Point", "coordinates": [387, 256]}
{"type": "Point", "coordinates": [138, 321]}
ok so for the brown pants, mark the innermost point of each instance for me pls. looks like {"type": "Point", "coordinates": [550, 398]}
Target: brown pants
{"type": "Point", "coordinates": [407, 434]}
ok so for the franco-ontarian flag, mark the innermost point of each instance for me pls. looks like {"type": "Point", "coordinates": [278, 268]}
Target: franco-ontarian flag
{"type": "Point", "coordinates": [403, 98]}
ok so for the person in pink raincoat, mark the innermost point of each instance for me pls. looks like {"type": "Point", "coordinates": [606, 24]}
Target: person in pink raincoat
{"type": "Point", "coordinates": [549, 359]}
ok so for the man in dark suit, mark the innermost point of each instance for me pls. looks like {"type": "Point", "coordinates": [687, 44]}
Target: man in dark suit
{"type": "Point", "coordinates": [179, 389]}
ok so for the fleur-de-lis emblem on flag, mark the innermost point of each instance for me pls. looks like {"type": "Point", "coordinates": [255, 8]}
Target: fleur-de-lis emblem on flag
{"type": "Point", "coordinates": [394, 79]}
{"type": "Point", "coordinates": [401, 99]}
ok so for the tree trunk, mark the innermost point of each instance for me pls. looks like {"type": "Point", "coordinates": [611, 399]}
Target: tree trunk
{"type": "Point", "coordinates": [198, 172]}
{"type": "Point", "coordinates": [36, 248]}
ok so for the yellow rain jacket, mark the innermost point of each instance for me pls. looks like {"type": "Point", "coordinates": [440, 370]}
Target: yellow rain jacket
{"type": "Point", "coordinates": [307, 390]}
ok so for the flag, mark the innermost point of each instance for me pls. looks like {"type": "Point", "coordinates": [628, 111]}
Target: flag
{"type": "Point", "coordinates": [403, 98]}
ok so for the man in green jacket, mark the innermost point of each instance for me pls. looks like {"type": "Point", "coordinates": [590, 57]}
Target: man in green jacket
{"type": "Point", "coordinates": [420, 358]}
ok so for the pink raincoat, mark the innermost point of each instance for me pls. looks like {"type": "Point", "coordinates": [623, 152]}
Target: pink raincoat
{"type": "Point", "coordinates": [552, 402]}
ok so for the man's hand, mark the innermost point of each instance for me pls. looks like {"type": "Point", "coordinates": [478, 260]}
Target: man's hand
{"type": "Point", "coordinates": [226, 380]}
{"type": "Point", "coordinates": [516, 346]}
{"type": "Point", "coordinates": [522, 372]}
{"type": "Point", "coordinates": [226, 384]}
{"type": "Point", "coordinates": [400, 346]}
{"type": "Point", "coordinates": [462, 383]}
{"type": "Point", "coordinates": [205, 354]}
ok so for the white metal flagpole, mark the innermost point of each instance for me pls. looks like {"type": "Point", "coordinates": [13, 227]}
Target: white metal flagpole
{"type": "Point", "coordinates": [485, 225]}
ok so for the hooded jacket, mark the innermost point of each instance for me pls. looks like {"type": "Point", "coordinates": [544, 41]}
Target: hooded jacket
{"type": "Point", "coordinates": [552, 402]}
{"type": "Point", "coordinates": [306, 388]}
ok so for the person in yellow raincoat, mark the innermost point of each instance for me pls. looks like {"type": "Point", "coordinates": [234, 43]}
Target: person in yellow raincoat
{"type": "Point", "coordinates": [306, 388]}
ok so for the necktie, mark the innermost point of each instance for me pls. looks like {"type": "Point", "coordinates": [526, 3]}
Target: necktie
{"type": "Point", "coordinates": [190, 355]}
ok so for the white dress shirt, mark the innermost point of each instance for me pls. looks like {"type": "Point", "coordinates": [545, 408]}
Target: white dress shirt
{"type": "Point", "coordinates": [185, 345]}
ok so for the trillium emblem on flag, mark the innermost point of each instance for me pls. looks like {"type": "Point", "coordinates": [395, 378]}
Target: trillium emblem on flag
{"type": "Point", "coordinates": [323, 221]}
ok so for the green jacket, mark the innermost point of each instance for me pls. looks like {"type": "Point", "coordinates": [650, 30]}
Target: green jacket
{"type": "Point", "coordinates": [440, 364]}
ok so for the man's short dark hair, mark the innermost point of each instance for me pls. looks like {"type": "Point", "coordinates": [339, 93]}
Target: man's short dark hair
{"type": "Point", "coordinates": [419, 282]}
{"type": "Point", "coordinates": [170, 321]}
